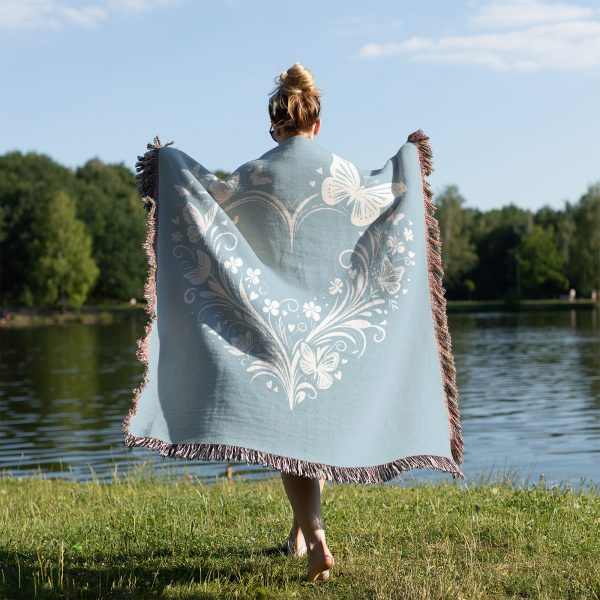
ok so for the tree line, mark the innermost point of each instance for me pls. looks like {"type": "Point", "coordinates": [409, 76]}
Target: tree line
{"type": "Point", "coordinates": [74, 236]}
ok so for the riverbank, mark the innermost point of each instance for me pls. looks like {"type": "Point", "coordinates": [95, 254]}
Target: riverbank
{"type": "Point", "coordinates": [143, 536]}
{"type": "Point", "coordinates": [111, 313]}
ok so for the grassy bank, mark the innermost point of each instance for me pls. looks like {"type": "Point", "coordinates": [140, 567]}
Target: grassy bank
{"type": "Point", "coordinates": [144, 537]}
{"type": "Point", "coordinates": [111, 313]}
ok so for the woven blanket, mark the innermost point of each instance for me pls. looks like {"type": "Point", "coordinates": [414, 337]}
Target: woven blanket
{"type": "Point", "coordinates": [296, 315]}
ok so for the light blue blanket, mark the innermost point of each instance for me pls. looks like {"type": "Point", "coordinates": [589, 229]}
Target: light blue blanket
{"type": "Point", "coordinates": [297, 315]}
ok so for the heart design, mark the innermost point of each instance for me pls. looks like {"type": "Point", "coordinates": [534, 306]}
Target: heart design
{"type": "Point", "coordinates": [175, 220]}
{"type": "Point", "coordinates": [305, 366]}
{"type": "Point", "coordinates": [411, 254]}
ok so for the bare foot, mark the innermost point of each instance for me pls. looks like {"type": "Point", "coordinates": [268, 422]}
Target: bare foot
{"type": "Point", "coordinates": [320, 560]}
{"type": "Point", "coordinates": [295, 542]}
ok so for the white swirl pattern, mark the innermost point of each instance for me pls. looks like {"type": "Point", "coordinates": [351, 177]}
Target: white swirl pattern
{"type": "Point", "coordinates": [300, 345]}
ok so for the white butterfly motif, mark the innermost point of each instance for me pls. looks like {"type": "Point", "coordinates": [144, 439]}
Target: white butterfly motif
{"type": "Point", "coordinates": [198, 223]}
{"type": "Point", "coordinates": [317, 365]}
{"type": "Point", "coordinates": [221, 190]}
{"type": "Point", "coordinates": [345, 184]}
{"type": "Point", "coordinates": [389, 276]}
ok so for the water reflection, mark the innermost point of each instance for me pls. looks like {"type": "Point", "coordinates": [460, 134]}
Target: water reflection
{"type": "Point", "coordinates": [529, 388]}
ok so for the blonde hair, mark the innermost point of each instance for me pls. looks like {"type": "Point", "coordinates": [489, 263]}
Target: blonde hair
{"type": "Point", "coordinates": [295, 104]}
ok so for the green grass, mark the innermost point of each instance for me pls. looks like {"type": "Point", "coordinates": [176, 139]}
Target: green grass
{"type": "Point", "coordinates": [150, 536]}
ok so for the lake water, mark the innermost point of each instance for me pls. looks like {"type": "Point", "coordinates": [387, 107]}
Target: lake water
{"type": "Point", "coordinates": [529, 395]}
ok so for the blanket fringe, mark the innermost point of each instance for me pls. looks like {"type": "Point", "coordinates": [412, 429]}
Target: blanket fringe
{"type": "Point", "coordinates": [437, 297]}
{"type": "Point", "coordinates": [148, 186]}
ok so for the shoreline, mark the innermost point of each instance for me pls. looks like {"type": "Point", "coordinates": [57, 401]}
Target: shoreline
{"type": "Point", "coordinates": [102, 314]}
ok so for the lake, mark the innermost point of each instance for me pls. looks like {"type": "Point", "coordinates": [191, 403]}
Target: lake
{"type": "Point", "coordinates": [529, 395]}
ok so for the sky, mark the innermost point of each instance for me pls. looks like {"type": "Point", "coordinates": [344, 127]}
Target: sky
{"type": "Point", "coordinates": [508, 91]}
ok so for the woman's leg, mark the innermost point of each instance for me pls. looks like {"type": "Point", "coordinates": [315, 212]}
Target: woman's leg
{"type": "Point", "coordinates": [305, 497]}
{"type": "Point", "coordinates": [295, 536]}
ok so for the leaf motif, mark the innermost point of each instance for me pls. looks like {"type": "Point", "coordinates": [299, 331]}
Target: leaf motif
{"type": "Point", "coordinates": [216, 286]}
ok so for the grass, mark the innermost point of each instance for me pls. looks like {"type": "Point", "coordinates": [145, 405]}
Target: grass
{"type": "Point", "coordinates": [149, 536]}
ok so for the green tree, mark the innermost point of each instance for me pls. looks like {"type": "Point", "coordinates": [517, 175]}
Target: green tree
{"type": "Point", "coordinates": [458, 250]}
{"type": "Point", "coordinates": [540, 266]}
{"type": "Point", "coordinates": [584, 251]}
{"type": "Point", "coordinates": [111, 208]}
{"type": "Point", "coordinates": [65, 270]}
{"type": "Point", "coordinates": [26, 183]}
{"type": "Point", "coordinates": [496, 233]}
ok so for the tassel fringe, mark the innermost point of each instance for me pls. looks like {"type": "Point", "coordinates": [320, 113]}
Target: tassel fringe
{"type": "Point", "coordinates": [148, 186]}
{"type": "Point", "coordinates": [437, 297]}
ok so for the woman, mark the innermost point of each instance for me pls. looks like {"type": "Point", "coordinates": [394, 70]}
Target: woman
{"type": "Point", "coordinates": [294, 108]}
{"type": "Point", "coordinates": [298, 316]}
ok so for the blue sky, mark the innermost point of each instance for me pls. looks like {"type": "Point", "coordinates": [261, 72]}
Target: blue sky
{"type": "Point", "coordinates": [507, 90]}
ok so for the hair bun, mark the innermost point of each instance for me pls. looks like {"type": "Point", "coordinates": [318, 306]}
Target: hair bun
{"type": "Point", "coordinates": [295, 103]}
{"type": "Point", "coordinates": [297, 80]}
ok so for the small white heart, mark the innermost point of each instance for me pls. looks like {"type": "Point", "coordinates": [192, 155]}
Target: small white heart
{"type": "Point", "coordinates": [312, 183]}
{"type": "Point", "coordinates": [291, 327]}
{"type": "Point", "coordinates": [276, 389]}
{"type": "Point", "coordinates": [412, 261]}
{"type": "Point", "coordinates": [410, 222]}
{"type": "Point", "coordinates": [338, 375]}
{"type": "Point", "coordinates": [320, 170]}
{"type": "Point", "coordinates": [253, 295]}
{"type": "Point", "coordinates": [224, 222]}
{"type": "Point", "coordinates": [384, 322]}
{"type": "Point", "coordinates": [411, 253]}
{"type": "Point", "coordinates": [269, 384]}
{"type": "Point", "coordinates": [284, 312]}
{"type": "Point", "coordinates": [175, 220]}
{"type": "Point", "coordinates": [404, 291]}
{"type": "Point", "coordinates": [344, 361]}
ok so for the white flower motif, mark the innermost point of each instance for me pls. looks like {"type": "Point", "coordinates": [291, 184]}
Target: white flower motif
{"type": "Point", "coordinates": [176, 236]}
{"type": "Point", "coordinates": [233, 263]}
{"type": "Point", "coordinates": [252, 275]}
{"type": "Point", "coordinates": [353, 273]}
{"type": "Point", "coordinates": [408, 234]}
{"type": "Point", "coordinates": [311, 310]}
{"type": "Point", "coordinates": [336, 286]}
{"type": "Point", "coordinates": [396, 246]}
{"type": "Point", "coordinates": [271, 306]}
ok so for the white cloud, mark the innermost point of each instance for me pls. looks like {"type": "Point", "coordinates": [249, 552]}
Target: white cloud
{"type": "Point", "coordinates": [519, 13]}
{"type": "Point", "coordinates": [56, 14]}
{"type": "Point", "coordinates": [552, 36]}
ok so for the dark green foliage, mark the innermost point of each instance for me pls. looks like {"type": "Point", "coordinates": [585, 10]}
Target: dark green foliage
{"type": "Point", "coordinates": [508, 253]}
{"type": "Point", "coordinates": [110, 206]}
